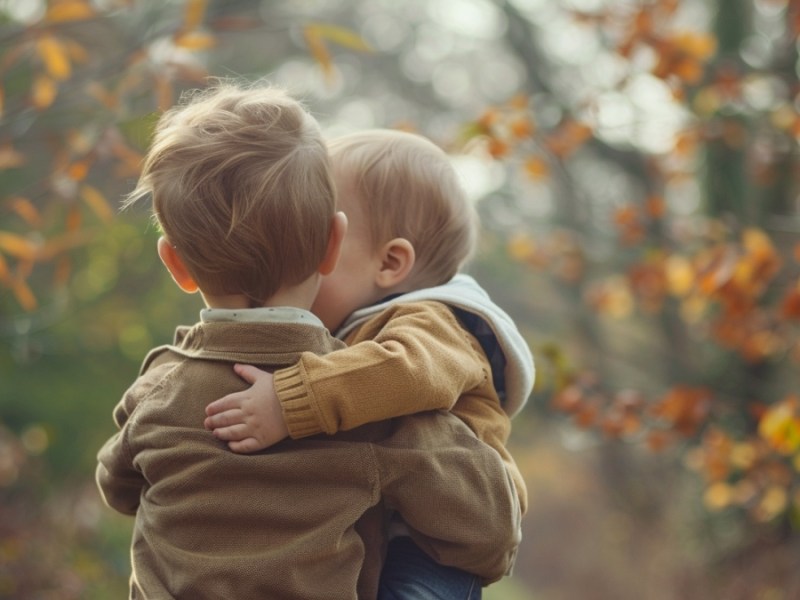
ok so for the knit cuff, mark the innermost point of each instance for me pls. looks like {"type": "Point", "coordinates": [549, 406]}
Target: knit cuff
{"type": "Point", "coordinates": [298, 409]}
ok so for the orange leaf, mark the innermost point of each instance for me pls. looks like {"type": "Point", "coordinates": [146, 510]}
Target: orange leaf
{"type": "Point", "coordinates": [5, 274]}
{"type": "Point", "coordinates": [43, 92]}
{"type": "Point", "coordinates": [656, 207]}
{"type": "Point", "coordinates": [522, 128]}
{"type": "Point", "coordinates": [74, 218]}
{"type": "Point", "coordinates": [790, 307]}
{"type": "Point", "coordinates": [194, 13]}
{"type": "Point", "coordinates": [18, 246]}
{"type": "Point", "coordinates": [165, 96]}
{"type": "Point", "coordinates": [23, 294]}
{"type": "Point", "coordinates": [97, 203]}
{"type": "Point", "coordinates": [195, 40]}
{"type": "Point", "coordinates": [536, 168]}
{"type": "Point", "coordinates": [55, 57]}
{"type": "Point", "coordinates": [25, 209]}
{"type": "Point", "coordinates": [10, 158]}
{"type": "Point", "coordinates": [68, 10]}
{"type": "Point", "coordinates": [497, 148]}
{"type": "Point", "coordinates": [77, 171]}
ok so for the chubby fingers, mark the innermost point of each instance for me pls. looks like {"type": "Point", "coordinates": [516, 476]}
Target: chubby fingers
{"type": "Point", "coordinates": [227, 418]}
{"type": "Point", "coordinates": [226, 403]}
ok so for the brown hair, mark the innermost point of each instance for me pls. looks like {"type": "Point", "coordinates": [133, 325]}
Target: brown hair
{"type": "Point", "coordinates": [241, 186]}
{"type": "Point", "coordinates": [407, 187]}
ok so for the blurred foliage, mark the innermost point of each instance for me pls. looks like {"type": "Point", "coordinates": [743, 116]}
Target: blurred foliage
{"type": "Point", "coordinates": [636, 167]}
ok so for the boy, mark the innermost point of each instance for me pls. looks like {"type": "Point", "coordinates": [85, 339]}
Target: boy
{"type": "Point", "coordinates": [237, 178]}
{"type": "Point", "coordinates": [419, 338]}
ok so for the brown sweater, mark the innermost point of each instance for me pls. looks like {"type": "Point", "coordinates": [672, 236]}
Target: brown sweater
{"type": "Point", "coordinates": [408, 358]}
{"type": "Point", "coordinates": [303, 519]}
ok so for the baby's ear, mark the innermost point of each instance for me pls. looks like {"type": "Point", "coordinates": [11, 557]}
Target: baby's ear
{"type": "Point", "coordinates": [397, 261]}
{"type": "Point", "coordinates": [172, 260]}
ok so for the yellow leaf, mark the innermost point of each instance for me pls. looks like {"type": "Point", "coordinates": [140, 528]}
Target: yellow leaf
{"type": "Point", "coordinates": [43, 92]}
{"type": "Point", "coordinates": [195, 40]}
{"type": "Point", "coordinates": [318, 49]}
{"type": "Point", "coordinates": [69, 10]}
{"type": "Point", "coordinates": [718, 495]}
{"type": "Point", "coordinates": [25, 209]}
{"type": "Point", "coordinates": [341, 36]}
{"type": "Point", "coordinates": [780, 426]}
{"type": "Point", "coordinates": [97, 203]}
{"type": "Point", "coordinates": [55, 57]}
{"type": "Point", "coordinates": [680, 275]}
{"type": "Point", "coordinates": [193, 14]}
{"type": "Point", "coordinates": [10, 158]}
{"type": "Point", "coordinates": [23, 294]}
{"type": "Point", "coordinates": [16, 245]}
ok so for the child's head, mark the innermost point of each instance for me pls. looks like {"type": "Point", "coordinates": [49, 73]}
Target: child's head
{"type": "Point", "coordinates": [241, 188]}
{"type": "Point", "coordinates": [408, 215]}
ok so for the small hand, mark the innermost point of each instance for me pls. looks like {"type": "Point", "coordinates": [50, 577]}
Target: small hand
{"type": "Point", "coordinates": [249, 420]}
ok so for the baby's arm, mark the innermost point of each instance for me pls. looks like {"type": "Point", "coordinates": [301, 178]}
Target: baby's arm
{"type": "Point", "coordinates": [249, 420]}
{"type": "Point", "coordinates": [411, 358]}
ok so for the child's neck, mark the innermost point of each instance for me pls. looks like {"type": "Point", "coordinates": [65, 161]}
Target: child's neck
{"type": "Point", "coordinates": [297, 296]}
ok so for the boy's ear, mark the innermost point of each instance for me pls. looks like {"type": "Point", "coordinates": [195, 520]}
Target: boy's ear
{"type": "Point", "coordinates": [335, 239]}
{"type": "Point", "coordinates": [169, 256]}
{"type": "Point", "coordinates": [397, 260]}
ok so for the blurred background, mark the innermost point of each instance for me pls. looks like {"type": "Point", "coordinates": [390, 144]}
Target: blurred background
{"type": "Point", "coordinates": [635, 166]}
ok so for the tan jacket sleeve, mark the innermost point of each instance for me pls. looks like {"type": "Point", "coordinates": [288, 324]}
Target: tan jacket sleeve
{"type": "Point", "coordinates": [411, 358]}
{"type": "Point", "coordinates": [454, 493]}
{"type": "Point", "coordinates": [119, 482]}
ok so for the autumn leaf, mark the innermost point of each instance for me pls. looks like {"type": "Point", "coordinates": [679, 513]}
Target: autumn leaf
{"type": "Point", "coordinates": [10, 158]}
{"type": "Point", "coordinates": [536, 168]}
{"type": "Point", "coordinates": [340, 35]}
{"type": "Point", "coordinates": [26, 209]}
{"type": "Point", "coordinates": [319, 51]}
{"type": "Point", "coordinates": [780, 426]}
{"type": "Point", "coordinates": [68, 10]}
{"type": "Point", "coordinates": [97, 202]}
{"type": "Point", "coordinates": [23, 293]}
{"type": "Point", "coordinates": [5, 273]}
{"type": "Point", "coordinates": [316, 36]}
{"type": "Point", "coordinates": [790, 305]}
{"type": "Point", "coordinates": [43, 92]}
{"type": "Point", "coordinates": [195, 40]}
{"type": "Point", "coordinates": [17, 245]}
{"type": "Point", "coordinates": [193, 14]}
{"type": "Point", "coordinates": [55, 57]}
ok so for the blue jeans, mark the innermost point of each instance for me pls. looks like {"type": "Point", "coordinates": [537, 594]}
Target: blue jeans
{"type": "Point", "coordinates": [410, 574]}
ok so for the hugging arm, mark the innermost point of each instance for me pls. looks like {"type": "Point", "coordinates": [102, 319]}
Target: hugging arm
{"type": "Point", "coordinates": [407, 349]}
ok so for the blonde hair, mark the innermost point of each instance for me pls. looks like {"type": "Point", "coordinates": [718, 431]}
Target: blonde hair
{"type": "Point", "coordinates": [407, 187]}
{"type": "Point", "coordinates": [241, 186]}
